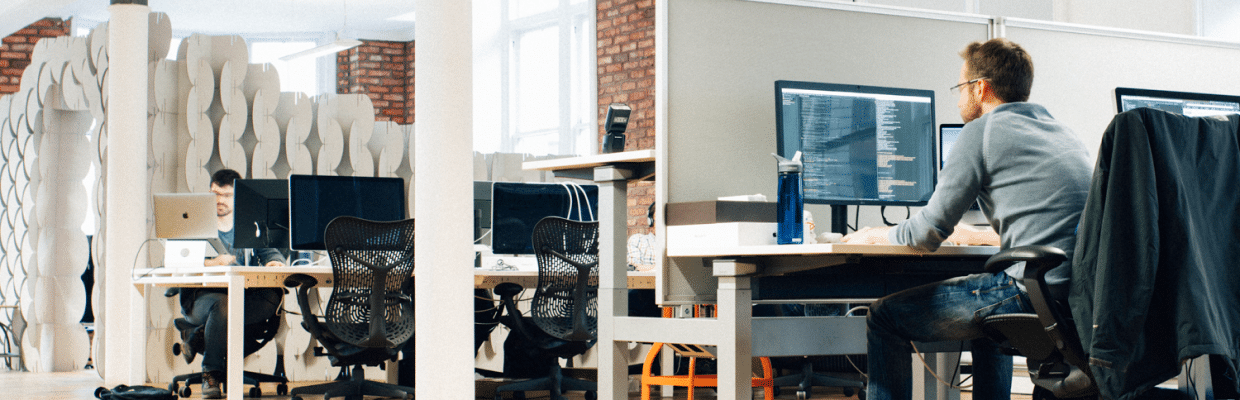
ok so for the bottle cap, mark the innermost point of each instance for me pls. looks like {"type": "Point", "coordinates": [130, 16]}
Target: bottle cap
{"type": "Point", "coordinates": [793, 165]}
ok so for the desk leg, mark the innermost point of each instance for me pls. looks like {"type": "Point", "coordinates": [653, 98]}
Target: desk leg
{"type": "Point", "coordinates": [613, 301]}
{"type": "Point", "coordinates": [735, 304]}
{"type": "Point", "coordinates": [236, 343]}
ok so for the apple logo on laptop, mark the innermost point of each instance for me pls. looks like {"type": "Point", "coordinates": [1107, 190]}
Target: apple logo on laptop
{"type": "Point", "coordinates": [185, 215]}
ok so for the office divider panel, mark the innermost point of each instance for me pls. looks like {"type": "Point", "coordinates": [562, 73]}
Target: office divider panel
{"type": "Point", "coordinates": [722, 59]}
{"type": "Point", "coordinates": [1079, 67]}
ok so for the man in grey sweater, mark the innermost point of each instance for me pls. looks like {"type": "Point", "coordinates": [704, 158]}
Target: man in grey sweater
{"type": "Point", "coordinates": [1031, 175]}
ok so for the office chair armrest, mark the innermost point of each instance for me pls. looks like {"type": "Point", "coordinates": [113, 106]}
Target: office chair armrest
{"type": "Point", "coordinates": [1042, 257]}
{"type": "Point", "coordinates": [304, 283]}
{"type": "Point", "coordinates": [172, 292]}
{"type": "Point", "coordinates": [509, 314]}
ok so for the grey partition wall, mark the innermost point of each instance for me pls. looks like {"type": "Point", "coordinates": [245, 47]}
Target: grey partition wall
{"type": "Point", "coordinates": [1078, 68]}
{"type": "Point", "coordinates": [718, 62]}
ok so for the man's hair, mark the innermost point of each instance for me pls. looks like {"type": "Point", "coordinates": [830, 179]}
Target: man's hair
{"type": "Point", "coordinates": [1005, 64]}
{"type": "Point", "coordinates": [224, 177]}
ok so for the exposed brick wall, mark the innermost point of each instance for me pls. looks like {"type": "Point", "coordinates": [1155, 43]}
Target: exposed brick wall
{"type": "Point", "coordinates": [15, 50]}
{"type": "Point", "coordinates": [626, 75]}
{"type": "Point", "coordinates": [384, 71]}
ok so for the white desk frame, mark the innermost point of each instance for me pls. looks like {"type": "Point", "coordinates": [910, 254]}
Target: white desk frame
{"type": "Point", "coordinates": [236, 278]}
{"type": "Point", "coordinates": [731, 331]}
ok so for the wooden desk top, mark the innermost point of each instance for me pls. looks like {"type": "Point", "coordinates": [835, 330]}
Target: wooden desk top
{"type": "Point", "coordinates": [635, 156]}
{"type": "Point", "coordinates": [274, 276]}
{"type": "Point", "coordinates": [873, 250]}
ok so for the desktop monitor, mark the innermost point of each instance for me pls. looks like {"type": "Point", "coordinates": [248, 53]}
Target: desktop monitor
{"type": "Point", "coordinates": [948, 133]}
{"type": "Point", "coordinates": [1183, 103]}
{"type": "Point", "coordinates": [260, 214]}
{"type": "Point", "coordinates": [315, 200]}
{"type": "Point", "coordinates": [861, 145]}
{"type": "Point", "coordinates": [516, 207]}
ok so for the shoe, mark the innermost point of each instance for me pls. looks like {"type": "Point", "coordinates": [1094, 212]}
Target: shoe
{"type": "Point", "coordinates": [211, 388]}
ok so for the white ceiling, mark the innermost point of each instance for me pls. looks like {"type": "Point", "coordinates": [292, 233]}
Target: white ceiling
{"type": "Point", "coordinates": [354, 19]}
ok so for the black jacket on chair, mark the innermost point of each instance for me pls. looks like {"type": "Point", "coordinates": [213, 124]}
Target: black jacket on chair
{"type": "Point", "coordinates": [1154, 277]}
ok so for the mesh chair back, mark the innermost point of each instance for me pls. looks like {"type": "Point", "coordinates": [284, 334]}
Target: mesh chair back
{"type": "Point", "coordinates": [566, 302]}
{"type": "Point", "coordinates": [370, 263]}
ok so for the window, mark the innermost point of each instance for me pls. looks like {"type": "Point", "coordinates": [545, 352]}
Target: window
{"type": "Point", "coordinates": [550, 101]}
{"type": "Point", "coordinates": [298, 75]}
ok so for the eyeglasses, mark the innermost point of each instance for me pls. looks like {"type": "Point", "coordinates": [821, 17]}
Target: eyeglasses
{"type": "Point", "coordinates": [957, 87]}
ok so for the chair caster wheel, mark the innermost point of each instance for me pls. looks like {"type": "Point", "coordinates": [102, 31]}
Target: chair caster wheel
{"type": "Point", "coordinates": [296, 398]}
{"type": "Point", "coordinates": [99, 391]}
{"type": "Point", "coordinates": [255, 392]}
{"type": "Point", "coordinates": [186, 392]}
{"type": "Point", "coordinates": [848, 392]}
{"type": "Point", "coordinates": [802, 395]}
{"type": "Point", "coordinates": [282, 390]}
{"type": "Point", "coordinates": [591, 395]}
{"type": "Point", "coordinates": [860, 394]}
{"type": "Point", "coordinates": [173, 387]}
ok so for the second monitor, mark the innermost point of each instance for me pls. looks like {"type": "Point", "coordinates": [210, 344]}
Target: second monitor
{"type": "Point", "coordinates": [315, 200]}
{"type": "Point", "coordinates": [516, 207]}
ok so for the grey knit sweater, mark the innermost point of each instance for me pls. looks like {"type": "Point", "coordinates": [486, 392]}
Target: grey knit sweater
{"type": "Point", "coordinates": [1030, 174]}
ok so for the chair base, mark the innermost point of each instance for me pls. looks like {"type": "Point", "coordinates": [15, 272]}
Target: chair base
{"type": "Point", "coordinates": [354, 389]}
{"type": "Point", "coordinates": [556, 383]}
{"type": "Point", "coordinates": [808, 379]}
{"type": "Point", "coordinates": [250, 378]}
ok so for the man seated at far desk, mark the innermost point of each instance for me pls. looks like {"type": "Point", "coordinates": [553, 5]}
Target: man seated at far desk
{"type": "Point", "coordinates": [209, 307]}
{"type": "Point", "coordinates": [1031, 175]}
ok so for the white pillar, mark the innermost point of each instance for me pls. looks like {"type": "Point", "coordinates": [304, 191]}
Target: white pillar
{"type": "Point", "coordinates": [122, 331]}
{"type": "Point", "coordinates": [443, 208]}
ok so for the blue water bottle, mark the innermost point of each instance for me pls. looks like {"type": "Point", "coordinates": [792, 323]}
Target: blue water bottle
{"type": "Point", "coordinates": [790, 201]}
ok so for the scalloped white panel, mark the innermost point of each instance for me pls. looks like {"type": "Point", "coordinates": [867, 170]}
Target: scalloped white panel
{"type": "Point", "coordinates": [333, 146]}
{"type": "Point", "coordinates": [202, 136]}
{"type": "Point", "coordinates": [77, 82]}
{"type": "Point", "coordinates": [295, 115]}
{"type": "Point", "coordinates": [164, 87]}
{"type": "Point", "coordinates": [201, 79]}
{"type": "Point", "coordinates": [232, 153]}
{"type": "Point", "coordinates": [97, 41]}
{"type": "Point", "coordinates": [359, 148]}
{"type": "Point", "coordinates": [262, 77]}
{"type": "Point", "coordinates": [217, 50]}
{"type": "Point", "coordinates": [159, 36]}
{"type": "Point", "coordinates": [163, 152]}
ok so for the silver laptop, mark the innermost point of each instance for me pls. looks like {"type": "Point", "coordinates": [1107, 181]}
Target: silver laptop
{"type": "Point", "coordinates": [187, 216]}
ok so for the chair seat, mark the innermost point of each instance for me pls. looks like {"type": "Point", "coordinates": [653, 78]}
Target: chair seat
{"type": "Point", "coordinates": [1022, 331]}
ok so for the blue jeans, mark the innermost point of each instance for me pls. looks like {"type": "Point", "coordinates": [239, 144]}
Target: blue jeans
{"type": "Point", "coordinates": [211, 310]}
{"type": "Point", "coordinates": [951, 310]}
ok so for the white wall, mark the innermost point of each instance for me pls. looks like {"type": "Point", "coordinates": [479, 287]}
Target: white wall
{"type": "Point", "coordinates": [1220, 19]}
{"type": "Point", "coordinates": [1165, 16]}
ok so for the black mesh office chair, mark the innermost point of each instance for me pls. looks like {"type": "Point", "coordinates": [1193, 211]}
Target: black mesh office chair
{"type": "Point", "coordinates": [1153, 269]}
{"type": "Point", "coordinates": [563, 319]}
{"type": "Point", "coordinates": [370, 313]}
{"type": "Point", "coordinates": [256, 335]}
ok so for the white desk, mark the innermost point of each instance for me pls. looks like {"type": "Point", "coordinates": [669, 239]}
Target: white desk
{"type": "Point", "coordinates": [733, 329]}
{"type": "Point", "coordinates": [235, 278]}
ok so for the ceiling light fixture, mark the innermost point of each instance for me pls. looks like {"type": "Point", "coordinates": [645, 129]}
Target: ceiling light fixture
{"type": "Point", "coordinates": [330, 48]}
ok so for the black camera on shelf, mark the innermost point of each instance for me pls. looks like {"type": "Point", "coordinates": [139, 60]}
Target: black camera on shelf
{"type": "Point", "coordinates": [616, 122]}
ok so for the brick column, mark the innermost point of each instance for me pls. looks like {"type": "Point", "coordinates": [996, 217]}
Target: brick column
{"type": "Point", "coordinates": [15, 50]}
{"type": "Point", "coordinates": [626, 75]}
{"type": "Point", "coordinates": [384, 71]}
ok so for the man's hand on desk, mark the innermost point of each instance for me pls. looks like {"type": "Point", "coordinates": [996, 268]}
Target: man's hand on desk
{"type": "Point", "coordinates": [221, 260]}
{"type": "Point", "coordinates": [868, 235]}
{"type": "Point", "coordinates": [229, 259]}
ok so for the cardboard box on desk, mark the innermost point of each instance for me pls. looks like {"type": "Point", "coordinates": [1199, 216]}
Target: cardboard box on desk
{"type": "Point", "coordinates": [711, 212]}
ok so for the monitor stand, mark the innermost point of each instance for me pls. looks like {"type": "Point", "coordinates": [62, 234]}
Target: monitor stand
{"type": "Point", "coordinates": [839, 219]}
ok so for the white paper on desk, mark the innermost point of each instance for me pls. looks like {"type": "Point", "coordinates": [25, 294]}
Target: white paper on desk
{"type": "Point", "coordinates": [746, 197]}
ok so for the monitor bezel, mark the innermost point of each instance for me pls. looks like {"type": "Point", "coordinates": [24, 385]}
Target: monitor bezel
{"type": "Point", "coordinates": [259, 190]}
{"type": "Point", "coordinates": [780, 85]}
{"type": "Point", "coordinates": [498, 206]}
{"type": "Point", "coordinates": [1120, 92]}
{"type": "Point", "coordinates": [295, 180]}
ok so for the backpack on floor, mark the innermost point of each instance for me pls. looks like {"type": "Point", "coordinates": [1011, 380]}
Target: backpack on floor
{"type": "Point", "coordinates": [124, 392]}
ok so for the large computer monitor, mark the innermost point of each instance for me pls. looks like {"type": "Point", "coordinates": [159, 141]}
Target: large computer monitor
{"type": "Point", "coordinates": [861, 145]}
{"type": "Point", "coordinates": [260, 214]}
{"type": "Point", "coordinates": [315, 200]}
{"type": "Point", "coordinates": [1183, 103]}
{"type": "Point", "coordinates": [516, 207]}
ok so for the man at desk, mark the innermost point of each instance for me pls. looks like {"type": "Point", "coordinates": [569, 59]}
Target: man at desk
{"type": "Point", "coordinates": [1031, 175]}
{"type": "Point", "coordinates": [209, 307]}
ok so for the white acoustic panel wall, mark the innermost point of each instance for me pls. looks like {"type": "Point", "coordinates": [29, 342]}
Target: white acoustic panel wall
{"type": "Point", "coordinates": [295, 116]}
